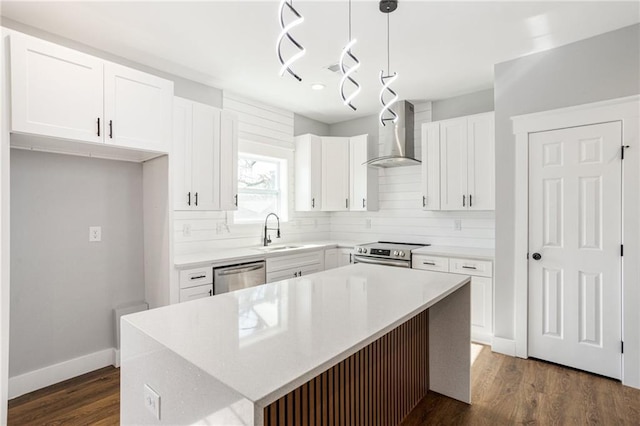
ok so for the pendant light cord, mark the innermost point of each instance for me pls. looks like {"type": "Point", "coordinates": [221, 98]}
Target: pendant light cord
{"type": "Point", "coordinates": [349, 20]}
{"type": "Point", "coordinates": [388, 50]}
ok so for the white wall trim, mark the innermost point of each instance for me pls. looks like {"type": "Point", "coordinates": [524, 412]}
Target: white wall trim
{"type": "Point", "coordinates": [47, 376]}
{"type": "Point", "coordinates": [503, 346]}
{"type": "Point", "coordinates": [626, 110]}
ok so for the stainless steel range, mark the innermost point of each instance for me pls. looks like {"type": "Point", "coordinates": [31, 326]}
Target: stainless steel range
{"type": "Point", "coordinates": [385, 253]}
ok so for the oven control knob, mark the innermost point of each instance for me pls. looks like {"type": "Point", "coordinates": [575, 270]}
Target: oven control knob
{"type": "Point", "coordinates": [401, 254]}
{"type": "Point", "coordinates": [364, 251]}
{"type": "Point", "coordinates": [395, 252]}
{"type": "Point", "coordinates": [359, 249]}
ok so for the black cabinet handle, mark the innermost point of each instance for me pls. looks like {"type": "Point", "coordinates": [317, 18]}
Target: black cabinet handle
{"type": "Point", "coordinates": [463, 200]}
{"type": "Point", "coordinates": [236, 200]}
{"type": "Point", "coordinates": [210, 292]}
{"type": "Point", "coordinates": [196, 199]}
{"type": "Point", "coordinates": [98, 126]}
{"type": "Point", "coordinates": [188, 198]}
{"type": "Point", "coordinates": [110, 129]}
{"type": "Point", "coordinates": [363, 203]}
{"type": "Point", "coordinates": [470, 201]}
{"type": "Point", "coordinates": [429, 263]}
{"type": "Point", "coordinates": [469, 267]}
{"type": "Point", "coordinates": [537, 256]}
{"type": "Point", "coordinates": [198, 277]}
{"type": "Point", "coordinates": [295, 274]}
{"type": "Point", "coordinates": [313, 203]}
{"type": "Point", "coordinates": [346, 203]}
{"type": "Point", "coordinates": [424, 201]}
{"type": "Point", "coordinates": [300, 273]}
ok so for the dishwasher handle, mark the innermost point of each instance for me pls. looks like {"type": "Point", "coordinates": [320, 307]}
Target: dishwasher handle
{"type": "Point", "coordinates": [234, 271]}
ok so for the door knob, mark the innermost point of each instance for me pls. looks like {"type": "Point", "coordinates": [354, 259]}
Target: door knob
{"type": "Point", "coordinates": [537, 256]}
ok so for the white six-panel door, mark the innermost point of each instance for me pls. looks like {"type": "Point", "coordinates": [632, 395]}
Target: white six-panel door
{"type": "Point", "coordinates": [574, 247]}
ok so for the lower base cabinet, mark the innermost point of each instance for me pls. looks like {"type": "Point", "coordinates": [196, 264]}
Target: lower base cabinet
{"type": "Point", "coordinates": [337, 257]}
{"type": "Point", "coordinates": [481, 272]}
{"type": "Point", "coordinates": [294, 265]}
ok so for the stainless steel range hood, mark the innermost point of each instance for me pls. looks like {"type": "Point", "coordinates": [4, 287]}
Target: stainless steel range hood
{"type": "Point", "coordinates": [397, 145]}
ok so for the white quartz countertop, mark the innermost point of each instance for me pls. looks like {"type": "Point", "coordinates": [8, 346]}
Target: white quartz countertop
{"type": "Point", "coordinates": [450, 251]}
{"type": "Point", "coordinates": [264, 341]}
{"type": "Point", "coordinates": [248, 254]}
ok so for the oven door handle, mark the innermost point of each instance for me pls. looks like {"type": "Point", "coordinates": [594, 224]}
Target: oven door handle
{"type": "Point", "coordinates": [377, 261]}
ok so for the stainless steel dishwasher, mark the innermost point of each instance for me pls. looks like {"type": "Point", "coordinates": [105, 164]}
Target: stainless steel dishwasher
{"type": "Point", "coordinates": [237, 277]}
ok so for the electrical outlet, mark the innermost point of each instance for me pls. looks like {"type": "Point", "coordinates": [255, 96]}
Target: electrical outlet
{"type": "Point", "coordinates": [95, 234]}
{"type": "Point", "coordinates": [457, 224]}
{"type": "Point", "coordinates": [152, 401]}
{"type": "Point", "coordinates": [186, 230]}
{"type": "Point", "coordinates": [367, 223]}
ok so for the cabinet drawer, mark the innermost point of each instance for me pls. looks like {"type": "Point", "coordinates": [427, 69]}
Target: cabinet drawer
{"type": "Point", "coordinates": [478, 268]}
{"type": "Point", "coordinates": [430, 263]}
{"type": "Point", "coordinates": [194, 293]}
{"type": "Point", "coordinates": [295, 261]}
{"type": "Point", "coordinates": [195, 277]}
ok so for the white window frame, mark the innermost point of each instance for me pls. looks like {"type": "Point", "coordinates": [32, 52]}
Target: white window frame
{"type": "Point", "coordinates": [270, 153]}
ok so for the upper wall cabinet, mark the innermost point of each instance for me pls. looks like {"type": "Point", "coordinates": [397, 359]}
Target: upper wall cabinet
{"type": "Point", "coordinates": [204, 157]}
{"type": "Point", "coordinates": [330, 175]}
{"type": "Point", "coordinates": [458, 164]}
{"type": "Point", "coordinates": [308, 173]}
{"type": "Point", "coordinates": [61, 93]}
{"type": "Point", "coordinates": [363, 186]}
{"type": "Point", "coordinates": [335, 174]}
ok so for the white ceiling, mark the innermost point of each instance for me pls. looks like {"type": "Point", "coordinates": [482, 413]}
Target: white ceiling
{"type": "Point", "coordinates": [439, 49]}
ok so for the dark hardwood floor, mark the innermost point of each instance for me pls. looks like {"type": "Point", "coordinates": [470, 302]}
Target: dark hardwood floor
{"type": "Point", "coordinates": [505, 391]}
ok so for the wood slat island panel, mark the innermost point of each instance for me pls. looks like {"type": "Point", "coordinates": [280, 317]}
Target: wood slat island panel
{"type": "Point", "coordinates": [378, 385]}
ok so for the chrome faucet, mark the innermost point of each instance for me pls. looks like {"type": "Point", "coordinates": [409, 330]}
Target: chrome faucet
{"type": "Point", "coordinates": [267, 238]}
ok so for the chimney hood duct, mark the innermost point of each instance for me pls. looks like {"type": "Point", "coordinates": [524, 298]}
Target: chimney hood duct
{"type": "Point", "coordinates": [396, 140]}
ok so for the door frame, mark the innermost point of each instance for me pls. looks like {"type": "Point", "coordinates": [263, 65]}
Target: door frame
{"type": "Point", "coordinates": [627, 111]}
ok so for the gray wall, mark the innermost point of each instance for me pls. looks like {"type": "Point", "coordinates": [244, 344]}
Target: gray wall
{"type": "Point", "coordinates": [63, 288]}
{"type": "Point", "coordinates": [357, 126]}
{"type": "Point", "coordinates": [182, 87]}
{"type": "Point", "coordinates": [471, 103]}
{"type": "Point", "coordinates": [595, 69]}
{"type": "Point", "coordinates": [303, 125]}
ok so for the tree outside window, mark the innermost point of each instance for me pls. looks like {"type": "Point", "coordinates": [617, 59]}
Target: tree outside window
{"type": "Point", "coordinates": [259, 187]}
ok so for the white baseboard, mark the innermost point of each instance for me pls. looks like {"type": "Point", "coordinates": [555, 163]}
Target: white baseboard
{"type": "Point", "coordinates": [47, 376]}
{"type": "Point", "coordinates": [116, 358]}
{"type": "Point", "coordinates": [503, 346]}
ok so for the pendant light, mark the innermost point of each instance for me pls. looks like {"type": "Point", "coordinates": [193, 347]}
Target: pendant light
{"type": "Point", "coordinates": [347, 71]}
{"type": "Point", "coordinates": [386, 113]}
{"type": "Point", "coordinates": [285, 28]}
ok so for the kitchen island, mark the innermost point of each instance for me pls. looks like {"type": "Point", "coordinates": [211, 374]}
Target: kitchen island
{"type": "Point", "coordinates": [353, 343]}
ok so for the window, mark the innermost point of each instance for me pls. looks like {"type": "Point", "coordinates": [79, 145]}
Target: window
{"type": "Point", "coordinates": [261, 188]}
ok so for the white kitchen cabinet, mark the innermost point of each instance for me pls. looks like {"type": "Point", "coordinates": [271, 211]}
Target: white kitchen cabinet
{"type": "Point", "coordinates": [193, 293]}
{"type": "Point", "coordinates": [137, 109]}
{"type": "Point", "coordinates": [308, 173]}
{"type": "Point", "coordinates": [335, 174]}
{"type": "Point", "coordinates": [196, 283]}
{"type": "Point", "coordinates": [363, 180]}
{"type": "Point", "coordinates": [228, 161]}
{"type": "Point", "coordinates": [467, 163]}
{"type": "Point", "coordinates": [65, 94]}
{"type": "Point", "coordinates": [294, 265]}
{"type": "Point", "coordinates": [430, 166]}
{"type": "Point", "coordinates": [337, 257]}
{"type": "Point", "coordinates": [481, 272]}
{"type": "Point", "coordinates": [205, 153]}
{"type": "Point", "coordinates": [345, 256]}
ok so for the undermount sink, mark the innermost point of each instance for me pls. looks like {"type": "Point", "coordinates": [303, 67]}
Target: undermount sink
{"type": "Point", "coordinates": [278, 248]}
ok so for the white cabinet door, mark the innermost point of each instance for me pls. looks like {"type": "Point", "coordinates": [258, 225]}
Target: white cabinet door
{"type": "Point", "coordinates": [431, 166]}
{"type": "Point", "coordinates": [453, 164]}
{"type": "Point", "coordinates": [193, 293]}
{"type": "Point", "coordinates": [55, 91]}
{"type": "Point", "coordinates": [331, 258]}
{"type": "Point", "coordinates": [481, 309]}
{"type": "Point", "coordinates": [205, 158]}
{"type": "Point", "coordinates": [228, 161]}
{"type": "Point", "coordinates": [308, 173]}
{"type": "Point", "coordinates": [344, 257]}
{"type": "Point", "coordinates": [181, 153]}
{"type": "Point", "coordinates": [335, 174]}
{"type": "Point", "coordinates": [137, 109]}
{"type": "Point", "coordinates": [363, 180]}
{"type": "Point", "coordinates": [481, 162]}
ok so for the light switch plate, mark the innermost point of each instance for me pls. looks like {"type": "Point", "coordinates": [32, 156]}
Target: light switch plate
{"type": "Point", "coordinates": [152, 401]}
